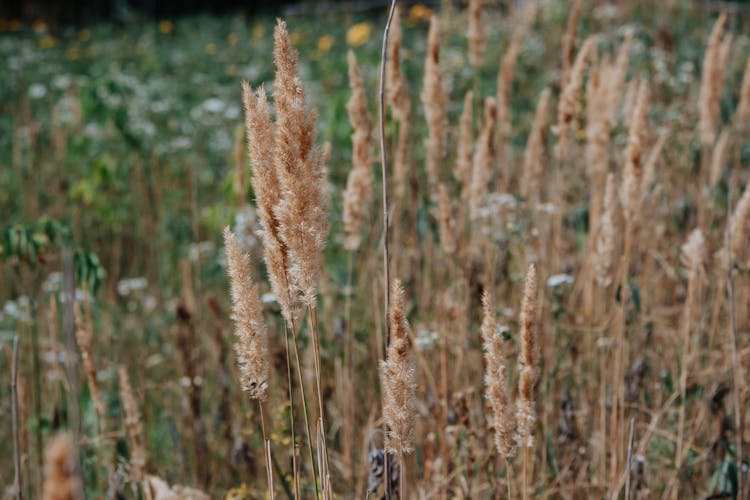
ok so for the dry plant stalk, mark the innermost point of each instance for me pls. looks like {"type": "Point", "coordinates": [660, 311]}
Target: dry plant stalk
{"type": "Point", "coordinates": [434, 98]}
{"type": "Point", "coordinates": [359, 191]}
{"type": "Point", "coordinates": [483, 160]}
{"type": "Point", "coordinates": [398, 380]}
{"type": "Point", "coordinates": [251, 345]}
{"type": "Point", "coordinates": [446, 221]}
{"type": "Point", "coordinates": [465, 146]}
{"type": "Point", "coordinates": [693, 256]}
{"type": "Point", "coordinates": [712, 79]}
{"type": "Point", "coordinates": [525, 412]}
{"type": "Point", "coordinates": [62, 480]}
{"type": "Point", "coordinates": [477, 32]}
{"type": "Point", "coordinates": [534, 155]}
{"type": "Point", "coordinates": [566, 108]}
{"type": "Point", "coordinates": [133, 425]}
{"type": "Point", "coordinates": [569, 42]}
{"type": "Point", "coordinates": [502, 419]}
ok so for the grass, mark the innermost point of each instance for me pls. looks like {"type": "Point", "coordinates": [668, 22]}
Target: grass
{"type": "Point", "coordinates": [122, 160]}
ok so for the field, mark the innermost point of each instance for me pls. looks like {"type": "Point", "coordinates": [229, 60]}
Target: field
{"type": "Point", "coordinates": [561, 311]}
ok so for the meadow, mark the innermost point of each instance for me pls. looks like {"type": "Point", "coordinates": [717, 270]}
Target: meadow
{"type": "Point", "coordinates": [200, 300]}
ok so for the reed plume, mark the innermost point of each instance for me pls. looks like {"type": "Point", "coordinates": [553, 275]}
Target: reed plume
{"type": "Point", "coordinates": [634, 159]}
{"type": "Point", "coordinates": [133, 425]}
{"type": "Point", "coordinates": [650, 164]}
{"type": "Point", "coordinates": [359, 192]}
{"type": "Point", "coordinates": [504, 86]}
{"type": "Point", "coordinates": [742, 114]}
{"type": "Point", "coordinates": [302, 211]}
{"type": "Point", "coordinates": [712, 78]}
{"type": "Point", "coordinates": [569, 42]}
{"type": "Point", "coordinates": [434, 98]}
{"type": "Point", "coordinates": [465, 145]}
{"type": "Point", "coordinates": [446, 221]}
{"type": "Point", "coordinates": [477, 32]}
{"type": "Point", "coordinates": [251, 345]}
{"type": "Point", "coordinates": [602, 97]}
{"type": "Point", "coordinates": [719, 157]}
{"type": "Point", "coordinates": [606, 236]}
{"type": "Point", "coordinates": [399, 100]}
{"type": "Point", "coordinates": [62, 480]}
{"type": "Point", "coordinates": [267, 190]}
{"type": "Point", "coordinates": [398, 380]}
{"type": "Point", "coordinates": [534, 155]}
{"type": "Point", "coordinates": [483, 160]}
{"type": "Point", "coordinates": [525, 412]}
{"type": "Point", "coordinates": [566, 108]}
{"type": "Point", "coordinates": [739, 226]}
{"type": "Point", "coordinates": [502, 419]}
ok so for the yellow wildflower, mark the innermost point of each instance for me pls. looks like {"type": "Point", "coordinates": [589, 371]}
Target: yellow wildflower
{"type": "Point", "coordinates": [210, 48]}
{"type": "Point", "coordinates": [420, 12]}
{"type": "Point", "coordinates": [358, 34]}
{"type": "Point", "coordinates": [296, 38]}
{"type": "Point", "coordinates": [166, 27]}
{"type": "Point", "coordinates": [325, 43]}
{"type": "Point", "coordinates": [258, 31]}
{"type": "Point", "coordinates": [47, 42]}
{"type": "Point", "coordinates": [232, 39]}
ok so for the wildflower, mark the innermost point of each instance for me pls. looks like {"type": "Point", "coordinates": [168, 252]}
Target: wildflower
{"type": "Point", "coordinates": [166, 27]}
{"type": "Point", "coordinates": [325, 43]}
{"type": "Point", "coordinates": [358, 34]}
{"type": "Point", "coordinates": [420, 12]}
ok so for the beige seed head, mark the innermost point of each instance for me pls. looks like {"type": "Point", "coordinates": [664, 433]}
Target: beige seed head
{"type": "Point", "coordinates": [477, 32]}
{"type": "Point", "coordinates": [502, 418]}
{"type": "Point", "coordinates": [533, 155]}
{"type": "Point", "coordinates": [742, 115]}
{"type": "Point", "coordinates": [566, 108]}
{"type": "Point", "coordinates": [712, 78]}
{"type": "Point", "coordinates": [359, 191]}
{"type": "Point", "coordinates": [446, 221]}
{"type": "Point", "coordinates": [525, 412]}
{"type": "Point", "coordinates": [251, 344]}
{"type": "Point", "coordinates": [606, 238]}
{"type": "Point", "coordinates": [398, 380]}
{"type": "Point", "coordinates": [483, 160]}
{"type": "Point", "coordinates": [719, 157]}
{"type": "Point", "coordinates": [302, 211]}
{"type": "Point", "coordinates": [435, 104]}
{"type": "Point", "coordinates": [61, 471]}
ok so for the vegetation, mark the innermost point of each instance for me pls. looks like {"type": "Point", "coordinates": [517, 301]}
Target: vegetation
{"type": "Point", "coordinates": [197, 276]}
